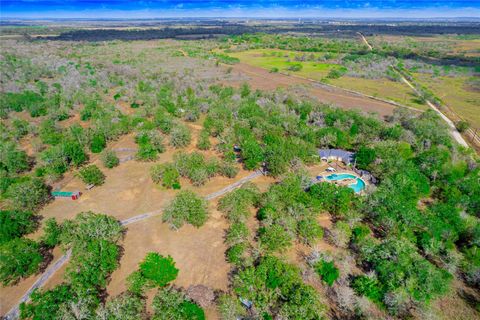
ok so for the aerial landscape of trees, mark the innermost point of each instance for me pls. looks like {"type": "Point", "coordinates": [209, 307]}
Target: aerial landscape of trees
{"type": "Point", "coordinates": [411, 237]}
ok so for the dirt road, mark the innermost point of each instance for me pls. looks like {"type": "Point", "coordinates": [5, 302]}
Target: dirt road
{"type": "Point", "coordinates": [40, 282]}
{"type": "Point", "coordinates": [453, 130]}
{"type": "Point", "coordinates": [262, 79]}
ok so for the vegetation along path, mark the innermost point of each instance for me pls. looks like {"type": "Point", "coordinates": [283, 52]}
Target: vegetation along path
{"type": "Point", "coordinates": [453, 130]}
{"type": "Point", "coordinates": [40, 282]}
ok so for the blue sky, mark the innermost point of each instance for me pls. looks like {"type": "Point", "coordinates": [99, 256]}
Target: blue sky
{"type": "Point", "coordinates": [239, 8]}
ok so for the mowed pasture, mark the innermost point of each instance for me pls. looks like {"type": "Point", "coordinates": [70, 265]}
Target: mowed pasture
{"type": "Point", "coordinates": [317, 66]}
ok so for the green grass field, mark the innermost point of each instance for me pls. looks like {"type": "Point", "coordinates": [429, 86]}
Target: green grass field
{"type": "Point", "coordinates": [456, 94]}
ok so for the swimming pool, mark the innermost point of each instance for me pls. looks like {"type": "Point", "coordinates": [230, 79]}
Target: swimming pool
{"type": "Point", "coordinates": [358, 186]}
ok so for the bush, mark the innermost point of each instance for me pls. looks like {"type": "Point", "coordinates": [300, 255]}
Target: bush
{"type": "Point", "coordinates": [237, 233]}
{"type": "Point", "coordinates": [19, 258]}
{"type": "Point", "coordinates": [171, 304]}
{"type": "Point", "coordinates": [462, 126]}
{"type": "Point", "coordinates": [186, 207]}
{"type": "Point", "coordinates": [295, 67]}
{"type": "Point", "coordinates": [150, 144]}
{"type": "Point", "coordinates": [204, 141]}
{"type": "Point", "coordinates": [12, 159]}
{"type": "Point", "coordinates": [309, 230]}
{"type": "Point", "coordinates": [125, 306]}
{"type": "Point", "coordinates": [91, 175]}
{"type": "Point", "coordinates": [52, 232]}
{"type": "Point", "coordinates": [230, 307]}
{"type": "Point", "coordinates": [180, 136]}
{"type": "Point", "coordinates": [136, 283]}
{"type": "Point", "coordinates": [167, 174]}
{"type": "Point", "coordinates": [29, 195]}
{"type": "Point", "coordinates": [236, 203]}
{"type": "Point", "coordinates": [275, 238]}
{"type": "Point", "coordinates": [98, 143]}
{"type": "Point", "coordinates": [327, 271]}
{"type": "Point", "coordinates": [110, 159]}
{"type": "Point", "coordinates": [369, 287]}
{"type": "Point", "coordinates": [15, 224]}
{"type": "Point", "coordinates": [158, 269]}
{"type": "Point", "coordinates": [236, 253]}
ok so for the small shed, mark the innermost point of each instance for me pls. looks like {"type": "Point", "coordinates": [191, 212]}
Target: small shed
{"type": "Point", "coordinates": [74, 195]}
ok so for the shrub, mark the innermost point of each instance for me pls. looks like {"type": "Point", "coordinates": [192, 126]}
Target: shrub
{"type": "Point", "coordinates": [98, 143]}
{"type": "Point", "coordinates": [204, 141]}
{"type": "Point", "coordinates": [309, 230]}
{"type": "Point", "coordinates": [235, 254]}
{"type": "Point", "coordinates": [14, 224]}
{"type": "Point", "coordinates": [12, 159]}
{"type": "Point", "coordinates": [369, 287]}
{"type": "Point", "coordinates": [19, 258]}
{"type": "Point", "coordinates": [167, 174]}
{"type": "Point", "coordinates": [91, 175]}
{"type": "Point", "coordinates": [278, 289]}
{"type": "Point", "coordinates": [327, 271]}
{"type": "Point", "coordinates": [237, 233]}
{"type": "Point", "coordinates": [295, 67]}
{"type": "Point", "coordinates": [172, 304]}
{"type": "Point", "coordinates": [186, 207]}
{"type": "Point", "coordinates": [158, 269]}
{"type": "Point", "coordinates": [180, 136]}
{"type": "Point", "coordinates": [52, 232]}
{"type": "Point", "coordinates": [29, 195]}
{"type": "Point", "coordinates": [274, 238]}
{"type": "Point", "coordinates": [462, 126]}
{"type": "Point", "coordinates": [125, 306]}
{"type": "Point", "coordinates": [236, 203]}
{"type": "Point", "coordinates": [110, 159]}
{"type": "Point", "coordinates": [230, 307]}
{"type": "Point", "coordinates": [136, 283]}
{"type": "Point", "coordinates": [340, 234]}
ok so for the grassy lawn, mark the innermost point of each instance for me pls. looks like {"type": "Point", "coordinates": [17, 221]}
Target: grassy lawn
{"type": "Point", "coordinates": [283, 60]}
{"type": "Point", "coordinates": [456, 94]}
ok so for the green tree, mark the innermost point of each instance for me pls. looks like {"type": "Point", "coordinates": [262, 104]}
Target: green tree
{"type": "Point", "coordinates": [158, 269]}
{"type": "Point", "coordinates": [364, 156]}
{"type": "Point", "coordinates": [52, 232]}
{"type": "Point", "coordinates": [110, 159]}
{"type": "Point", "coordinates": [167, 174]}
{"type": "Point", "coordinates": [98, 143]}
{"type": "Point", "coordinates": [327, 271]}
{"type": "Point", "coordinates": [19, 258]}
{"type": "Point", "coordinates": [180, 136]}
{"type": "Point", "coordinates": [170, 304]}
{"type": "Point", "coordinates": [186, 207]}
{"type": "Point", "coordinates": [29, 195]}
{"type": "Point", "coordinates": [11, 159]}
{"type": "Point", "coordinates": [91, 175]}
{"type": "Point", "coordinates": [15, 224]}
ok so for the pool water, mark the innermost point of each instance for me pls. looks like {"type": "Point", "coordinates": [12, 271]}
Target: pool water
{"type": "Point", "coordinates": [358, 186]}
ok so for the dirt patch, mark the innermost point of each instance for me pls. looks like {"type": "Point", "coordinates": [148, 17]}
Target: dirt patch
{"type": "Point", "coordinates": [199, 253]}
{"type": "Point", "coordinates": [261, 79]}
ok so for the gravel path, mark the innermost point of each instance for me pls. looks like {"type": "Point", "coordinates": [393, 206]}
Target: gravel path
{"type": "Point", "coordinates": [15, 312]}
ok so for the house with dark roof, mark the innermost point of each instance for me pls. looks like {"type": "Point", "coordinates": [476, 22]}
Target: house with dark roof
{"type": "Point", "coordinates": [346, 157]}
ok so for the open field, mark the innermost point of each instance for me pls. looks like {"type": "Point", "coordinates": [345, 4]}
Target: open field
{"type": "Point", "coordinates": [316, 68]}
{"type": "Point", "coordinates": [457, 94]}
